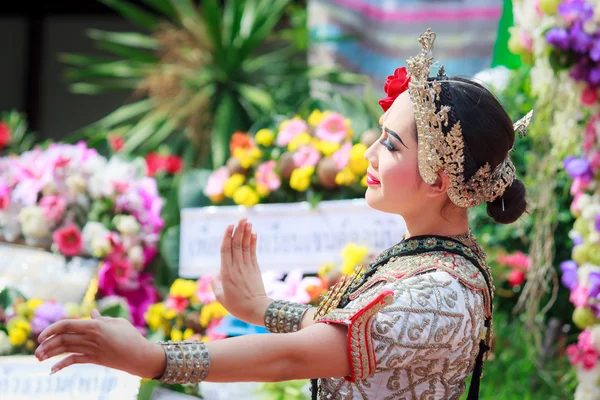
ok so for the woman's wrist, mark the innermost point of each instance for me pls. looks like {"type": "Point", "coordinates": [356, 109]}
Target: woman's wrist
{"type": "Point", "coordinates": [157, 361]}
{"type": "Point", "coordinates": [263, 304]}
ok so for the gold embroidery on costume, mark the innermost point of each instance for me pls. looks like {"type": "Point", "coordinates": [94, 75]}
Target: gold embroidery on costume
{"type": "Point", "coordinates": [333, 297]}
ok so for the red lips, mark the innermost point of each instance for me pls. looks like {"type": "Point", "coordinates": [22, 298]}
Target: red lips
{"type": "Point", "coordinates": [371, 181]}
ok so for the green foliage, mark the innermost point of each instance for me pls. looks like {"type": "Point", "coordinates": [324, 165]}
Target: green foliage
{"type": "Point", "coordinates": [21, 139]}
{"type": "Point", "coordinates": [208, 70]}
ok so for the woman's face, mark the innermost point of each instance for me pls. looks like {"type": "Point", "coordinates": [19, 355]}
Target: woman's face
{"type": "Point", "coordinates": [394, 183]}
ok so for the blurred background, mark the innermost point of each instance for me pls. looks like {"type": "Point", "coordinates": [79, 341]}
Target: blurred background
{"type": "Point", "coordinates": [123, 121]}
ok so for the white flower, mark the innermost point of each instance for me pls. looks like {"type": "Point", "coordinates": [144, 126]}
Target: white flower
{"type": "Point", "coordinates": [136, 255]}
{"type": "Point", "coordinates": [5, 346]}
{"type": "Point", "coordinates": [95, 239]}
{"type": "Point", "coordinates": [595, 336]}
{"type": "Point", "coordinates": [498, 77]}
{"type": "Point", "coordinates": [127, 224]}
{"type": "Point", "coordinates": [584, 271]}
{"type": "Point", "coordinates": [75, 183]}
{"type": "Point", "coordinates": [33, 223]}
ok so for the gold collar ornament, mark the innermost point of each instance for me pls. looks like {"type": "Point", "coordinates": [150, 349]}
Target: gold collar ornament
{"type": "Point", "coordinates": [438, 151]}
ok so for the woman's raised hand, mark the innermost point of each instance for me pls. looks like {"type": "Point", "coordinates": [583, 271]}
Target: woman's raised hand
{"type": "Point", "coordinates": [111, 342]}
{"type": "Point", "coordinates": [239, 286]}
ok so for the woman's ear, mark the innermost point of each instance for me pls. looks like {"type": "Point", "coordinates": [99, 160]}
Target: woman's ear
{"type": "Point", "coordinates": [440, 186]}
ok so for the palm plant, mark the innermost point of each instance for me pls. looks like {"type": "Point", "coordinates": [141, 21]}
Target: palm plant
{"type": "Point", "coordinates": [200, 73]}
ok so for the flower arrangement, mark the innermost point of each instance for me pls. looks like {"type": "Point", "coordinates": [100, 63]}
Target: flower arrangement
{"type": "Point", "coordinates": [74, 201]}
{"type": "Point", "coordinates": [22, 320]}
{"type": "Point", "coordinates": [515, 267]}
{"type": "Point", "coordinates": [299, 159]}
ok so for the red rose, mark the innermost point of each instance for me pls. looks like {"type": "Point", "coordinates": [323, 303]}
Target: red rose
{"type": "Point", "coordinates": [116, 142]}
{"type": "Point", "coordinates": [173, 164]}
{"type": "Point", "coordinates": [394, 86]}
{"type": "Point", "coordinates": [5, 135]}
{"type": "Point", "coordinates": [516, 277]}
{"type": "Point", "coordinates": [154, 163]}
{"type": "Point", "coordinates": [68, 240]}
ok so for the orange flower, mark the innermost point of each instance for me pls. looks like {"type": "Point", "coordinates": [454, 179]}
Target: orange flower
{"type": "Point", "coordinates": [240, 140]}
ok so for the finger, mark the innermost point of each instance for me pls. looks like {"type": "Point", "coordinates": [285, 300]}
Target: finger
{"type": "Point", "coordinates": [246, 241]}
{"type": "Point", "coordinates": [69, 326]}
{"type": "Point", "coordinates": [71, 360]}
{"type": "Point", "coordinates": [63, 342]}
{"type": "Point", "coordinates": [57, 351]}
{"type": "Point", "coordinates": [226, 247]}
{"type": "Point", "coordinates": [236, 242]}
{"type": "Point", "coordinates": [217, 286]}
{"type": "Point", "coordinates": [253, 257]}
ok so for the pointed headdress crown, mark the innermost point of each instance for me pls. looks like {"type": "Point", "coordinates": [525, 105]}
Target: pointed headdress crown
{"type": "Point", "coordinates": [438, 151]}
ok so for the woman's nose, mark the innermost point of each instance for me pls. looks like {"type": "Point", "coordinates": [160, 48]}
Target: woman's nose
{"type": "Point", "coordinates": [371, 154]}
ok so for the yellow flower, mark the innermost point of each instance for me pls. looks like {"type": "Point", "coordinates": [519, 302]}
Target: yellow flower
{"type": "Point", "coordinates": [17, 337]}
{"type": "Point", "coordinates": [358, 162]}
{"type": "Point", "coordinates": [18, 322]}
{"type": "Point", "coordinates": [176, 335]}
{"type": "Point", "coordinates": [216, 199]}
{"type": "Point", "coordinates": [325, 269]}
{"type": "Point", "coordinates": [232, 184]}
{"type": "Point", "coordinates": [265, 137]}
{"type": "Point", "coordinates": [301, 140]}
{"type": "Point", "coordinates": [262, 190]}
{"type": "Point", "coordinates": [349, 130]}
{"type": "Point", "coordinates": [183, 288]}
{"type": "Point", "coordinates": [210, 312]}
{"type": "Point", "coordinates": [170, 314]}
{"type": "Point", "coordinates": [154, 316]}
{"type": "Point", "coordinates": [34, 303]}
{"type": "Point", "coordinates": [205, 339]}
{"type": "Point", "coordinates": [188, 333]}
{"type": "Point", "coordinates": [363, 181]}
{"type": "Point", "coordinates": [345, 177]}
{"type": "Point", "coordinates": [352, 256]}
{"type": "Point", "coordinates": [325, 147]}
{"type": "Point", "coordinates": [247, 157]}
{"type": "Point", "coordinates": [246, 196]}
{"type": "Point", "coordinates": [300, 179]}
{"type": "Point", "coordinates": [315, 117]}
{"type": "Point", "coordinates": [73, 310]}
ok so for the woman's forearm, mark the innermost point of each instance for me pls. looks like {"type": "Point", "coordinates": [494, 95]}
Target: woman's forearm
{"type": "Point", "coordinates": [310, 353]}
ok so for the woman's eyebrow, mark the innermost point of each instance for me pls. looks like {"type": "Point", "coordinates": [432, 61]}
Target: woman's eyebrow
{"type": "Point", "coordinates": [394, 134]}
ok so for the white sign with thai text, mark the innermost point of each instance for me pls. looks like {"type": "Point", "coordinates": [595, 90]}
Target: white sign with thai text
{"type": "Point", "coordinates": [290, 236]}
{"type": "Point", "coordinates": [25, 378]}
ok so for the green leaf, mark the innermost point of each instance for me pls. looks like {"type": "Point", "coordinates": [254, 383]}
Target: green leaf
{"type": "Point", "coordinates": [257, 96]}
{"type": "Point", "coordinates": [82, 60]}
{"type": "Point", "coordinates": [143, 130]}
{"type": "Point", "coordinates": [104, 86]}
{"type": "Point", "coordinates": [146, 389]}
{"type": "Point", "coordinates": [191, 189]}
{"type": "Point", "coordinates": [190, 18]}
{"type": "Point", "coordinates": [128, 52]}
{"type": "Point", "coordinates": [223, 129]}
{"type": "Point", "coordinates": [212, 17]}
{"type": "Point", "coordinates": [130, 39]}
{"type": "Point", "coordinates": [133, 13]}
{"type": "Point", "coordinates": [8, 296]}
{"type": "Point", "coordinates": [169, 250]}
{"type": "Point", "coordinates": [160, 135]}
{"type": "Point", "coordinates": [114, 69]}
{"type": "Point", "coordinates": [116, 311]}
{"type": "Point", "coordinates": [268, 14]}
{"type": "Point", "coordinates": [125, 113]}
{"type": "Point", "coordinates": [162, 7]}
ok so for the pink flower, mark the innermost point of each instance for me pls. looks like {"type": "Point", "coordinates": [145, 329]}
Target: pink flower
{"type": "Point", "coordinates": [4, 196]}
{"type": "Point", "coordinates": [585, 341]}
{"type": "Point", "coordinates": [515, 260]}
{"type": "Point", "coordinates": [149, 253]}
{"type": "Point", "coordinates": [332, 128]}
{"type": "Point", "coordinates": [574, 354]}
{"type": "Point", "coordinates": [579, 296]}
{"type": "Point", "coordinates": [116, 142]}
{"type": "Point", "coordinates": [589, 359]}
{"type": "Point", "coordinates": [178, 304]}
{"type": "Point", "coordinates": [68, 240]}
{"type": "Point", "coordinates": [54, 207]}
{"type": "Point", "coordinates": [595, 160]}
{"type": "Point", "coordinates": [139, 295]}
{"type": "Point", "coordinates": [579, 185]}
{"type": "Point", "coordinates": [210, 330]}
{"type": "Point", "coordinates": [306, 156]}
{"type": "Point", "coordinates": [291, 129]}
{"type": "Point", "coordinates": [216, 182]}
{"type": "Point", "coordinates": [295, 288]}
{"type": "Point", "coordinates": [526, 40]}
{"type": "Point", "coordinates": [265, 175]}
{"type": "Point", "coordinates": [204, 291]}
{"type": "Point", "coordinates": [342, 156]}
{"type": "Point", "coordinates": [516, 277]}
{"type": "Point", "coordinates": [592, 132]}
{"type": "Point", "coordinates": [575, 203]}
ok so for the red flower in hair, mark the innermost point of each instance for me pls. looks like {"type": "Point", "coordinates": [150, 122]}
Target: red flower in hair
{"type": "Point", "coordinates": [394, 86]}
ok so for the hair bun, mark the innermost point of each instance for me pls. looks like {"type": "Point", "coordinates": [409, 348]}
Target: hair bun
{"type": "Point", "coordinates": [515, 204]}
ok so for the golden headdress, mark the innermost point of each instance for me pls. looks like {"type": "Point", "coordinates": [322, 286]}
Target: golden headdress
{"type": "Point", "coordinates": [439, 151]}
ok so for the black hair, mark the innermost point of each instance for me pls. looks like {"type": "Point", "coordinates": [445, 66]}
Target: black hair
{"type": "Point", "coordinates": [488, 135]}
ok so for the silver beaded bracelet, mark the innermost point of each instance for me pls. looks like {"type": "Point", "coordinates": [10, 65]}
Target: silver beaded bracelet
{"type": "Point", "coordinates": [187, 362]}
{"type": "Point", "coordinates": [284, 316]}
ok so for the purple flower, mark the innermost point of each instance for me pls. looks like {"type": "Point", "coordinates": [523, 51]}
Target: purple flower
{"type": "Point", "coordinates": [576, 10]}
{"type": "Point", "coordinates": [577, 167]}
{"type": "Point", "coordinates": [594, 281]}
{"type": "Point", "coordinates": [580, 41]}
{"type": "Point", "coordinates": [595, 50]}
{"type": "Point", "coordinates": [577, 240]}
{"type": "Point", "coordinates": [569, 274]}
{"type": "Point", "coordinates": [558, 38]}
{"type": "Point", "coordinates": [597, 224]}
{"type": "Point", "coordinates": [45, 315]}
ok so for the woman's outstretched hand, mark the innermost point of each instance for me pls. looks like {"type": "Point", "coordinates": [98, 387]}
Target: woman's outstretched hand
{"type": "Point", "coordinates": [239, 286]}
{"type": "Point", "coordinates": [111, 342]}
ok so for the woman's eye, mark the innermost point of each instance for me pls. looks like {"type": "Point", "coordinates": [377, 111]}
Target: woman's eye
{"type": "Point", "coordinates": [388, 145]}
